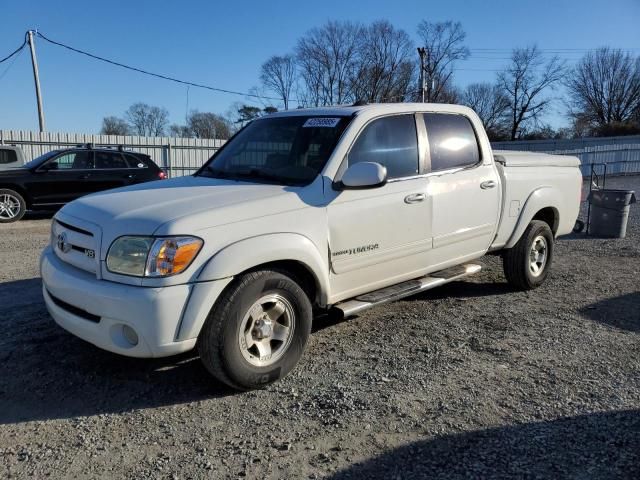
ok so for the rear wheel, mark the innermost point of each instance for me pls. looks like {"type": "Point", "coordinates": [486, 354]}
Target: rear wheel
{"type": "Point", "coordinates": [527, 264]}
{"type": "Point", "coordinates": [257, 331]}
{"type": "Point", "coordinates": [12, 206]}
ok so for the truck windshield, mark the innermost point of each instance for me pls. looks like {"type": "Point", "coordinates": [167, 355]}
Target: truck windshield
{"type": "Point", "coordinates": [288, 150]}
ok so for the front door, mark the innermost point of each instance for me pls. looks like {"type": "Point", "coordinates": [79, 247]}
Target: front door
{"type": "Point", "coordinates": [62, 178]}
{"type": "Point", "coordinates": [380, 234]}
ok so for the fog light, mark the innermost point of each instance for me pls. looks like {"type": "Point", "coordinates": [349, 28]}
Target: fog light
{"type": "Point", "coordinates": [130, 334]}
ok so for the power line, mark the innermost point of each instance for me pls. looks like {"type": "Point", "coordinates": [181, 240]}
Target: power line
{"type": "Point", "coordinates": [157, 75]}
{"type": "Point", "coordinates": [6, 70]}
{"type": "Point", "coordinates": [15, 52]}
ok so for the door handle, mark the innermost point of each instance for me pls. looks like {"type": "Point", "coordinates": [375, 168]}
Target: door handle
{"type": "Point", "coordinates": [85, 176]}
{"type": "Point", "coordinates": [487, 184]}
{"type": "Point", "coordinates": [414, 198]}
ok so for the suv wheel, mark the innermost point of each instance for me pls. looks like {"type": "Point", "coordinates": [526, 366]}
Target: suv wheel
{"type": "Point", "coordinates": [257, 331]}
{"type": "Point", "coordinates": [12, 206]}
{"type": "Point", "coordinates": [527, 264]}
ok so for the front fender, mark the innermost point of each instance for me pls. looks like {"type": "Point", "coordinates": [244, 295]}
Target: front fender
{"type": "Point", "coordinates": [246, 254]}
{"type": "Point", "coordinates": [543, 197]}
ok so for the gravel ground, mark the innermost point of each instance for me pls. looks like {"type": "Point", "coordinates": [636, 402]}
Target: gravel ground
{"type": "Point", "coordinates": [469, 380]}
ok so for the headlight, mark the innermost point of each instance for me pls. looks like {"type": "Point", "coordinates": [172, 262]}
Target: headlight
{"type": "Point", "coordinates": [152, 257]}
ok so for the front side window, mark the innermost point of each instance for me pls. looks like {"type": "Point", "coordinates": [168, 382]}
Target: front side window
{"type": "Point", "coordinates": [389, 141]}
{"type": "Point", "coordinates": [71, 161]}
{"type": "Point", "coordinates": [108, 160]}
{"type": "Point", "coordinates": [452, 141]}
{"type": "Point", "coordinates": [289, 149]}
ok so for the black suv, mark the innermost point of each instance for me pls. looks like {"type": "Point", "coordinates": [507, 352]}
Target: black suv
{"type": "Point", "coordinates": [60, 176]}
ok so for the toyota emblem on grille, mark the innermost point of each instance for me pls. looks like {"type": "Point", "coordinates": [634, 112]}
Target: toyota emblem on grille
{"type": "Point", "coordinates": [62, 244]}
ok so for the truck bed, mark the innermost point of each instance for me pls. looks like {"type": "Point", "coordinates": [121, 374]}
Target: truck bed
{"type": "Point", "coordinates": [526, 175]}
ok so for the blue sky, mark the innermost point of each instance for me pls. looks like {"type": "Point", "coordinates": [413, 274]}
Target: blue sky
{"type": "Point", "coordinates": [223, 44]}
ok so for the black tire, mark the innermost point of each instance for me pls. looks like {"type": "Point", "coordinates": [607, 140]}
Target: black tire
{"type": "Point", "coordinates": [516, 261]}
{"type": "Point", "coordinates": [219, 341]}
{"type": "Point", "coordinates": [11, 195]}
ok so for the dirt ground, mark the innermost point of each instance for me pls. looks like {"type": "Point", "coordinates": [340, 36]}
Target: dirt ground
{"type": "Point", "coordinates": [472, 380]}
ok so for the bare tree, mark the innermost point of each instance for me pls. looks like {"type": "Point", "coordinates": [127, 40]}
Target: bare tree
{"type": "Point", "coordinates": [147, 120]}
{"type": "Point", "coordinates": [327, 58]}
{"type": "Point", "coordinates": [180, 131]}
{"type": "Point", "coordinates": [525, 81]}
{"type": "Point", "coordinates": [385, 65]}
{"type": "Point", "coordinates": [278, 74]}
{"type": "Point", "coordinates": [114, 126]}
{"type": "Point", "coordinates": [208, 125]}
{"type": "Point", "coordinates": [604, 88]}
{"type": "Point", "coordinates": [491, 104]}
{"type": "Point", "coordinates": [443, 44]}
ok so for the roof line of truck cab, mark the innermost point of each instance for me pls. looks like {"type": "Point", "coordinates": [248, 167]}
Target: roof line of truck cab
{"type": "Point", "coordinates": [378, 108]}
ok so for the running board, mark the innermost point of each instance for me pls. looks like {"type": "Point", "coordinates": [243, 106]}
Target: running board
{"type": "Point", "coordinates": [405, 289]}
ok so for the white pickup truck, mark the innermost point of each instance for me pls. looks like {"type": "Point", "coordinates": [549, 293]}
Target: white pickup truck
{"type": "Point", "coordinates": [330, 208]}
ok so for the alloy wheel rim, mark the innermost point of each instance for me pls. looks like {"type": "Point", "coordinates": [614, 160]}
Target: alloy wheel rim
{"type": "Point", "coordinates": [9, 206]}
{"type": "Point", "coordinates": [538, 255]}
{"type": "Point", "coordinates": [266, 330]}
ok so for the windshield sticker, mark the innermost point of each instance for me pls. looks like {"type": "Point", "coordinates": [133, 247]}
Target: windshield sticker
{"type": "Point", "coordinates": [321, 122]}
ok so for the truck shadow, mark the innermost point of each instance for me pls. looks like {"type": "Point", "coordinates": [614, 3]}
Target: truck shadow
{"type": "Point", "coordinates": [622, 312]}
{"type": "Point", "coordinates": [48, 373]}
{"type": "Point", "coordinates": [599, 445]}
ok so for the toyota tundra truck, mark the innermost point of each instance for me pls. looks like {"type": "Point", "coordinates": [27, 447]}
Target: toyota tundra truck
{"type": "Point", "coordinates": [337, 208]}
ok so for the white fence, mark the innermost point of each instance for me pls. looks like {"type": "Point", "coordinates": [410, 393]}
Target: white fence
{"type": "Point", "coordinates": [177, 156]}
{"type": "Point", "coordinates": [180, 156]}
{"type": "Point", "coordinates": [621, 155]}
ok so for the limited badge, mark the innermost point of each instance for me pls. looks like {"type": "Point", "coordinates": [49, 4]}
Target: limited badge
{"type": "Point", "coordinates": [321, 122]}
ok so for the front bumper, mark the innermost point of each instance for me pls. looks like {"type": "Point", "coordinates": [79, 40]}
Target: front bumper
{"type": "Point", "coordinates": [98, 310]}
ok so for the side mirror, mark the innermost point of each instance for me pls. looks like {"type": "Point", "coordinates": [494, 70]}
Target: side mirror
{"type": "Point", "coordinates": [363, 175]}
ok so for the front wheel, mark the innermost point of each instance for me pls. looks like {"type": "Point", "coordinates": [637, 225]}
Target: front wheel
{"type": "Point", "coordinates": [12, 206]}
{"type": "Point", "coordinates": [527, 264]}
{"type": "Point", "coordinates": [257, 330]}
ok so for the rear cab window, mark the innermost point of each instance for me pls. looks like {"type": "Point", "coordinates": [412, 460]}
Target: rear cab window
{"type": "Point", "coordinates": [452, 141]}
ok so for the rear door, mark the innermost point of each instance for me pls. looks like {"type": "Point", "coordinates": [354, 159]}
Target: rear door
{"type": "Point", "coordinates": [112, 171]}
{"type": "Point", "coordinates": [463, 186]}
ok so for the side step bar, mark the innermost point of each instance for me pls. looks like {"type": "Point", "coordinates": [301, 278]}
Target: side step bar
{"type": "Point", "coordinates": [405, 289]}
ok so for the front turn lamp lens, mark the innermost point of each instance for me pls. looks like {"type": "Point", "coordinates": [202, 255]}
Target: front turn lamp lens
{"type": "Point", "coordinates": [171, 255]}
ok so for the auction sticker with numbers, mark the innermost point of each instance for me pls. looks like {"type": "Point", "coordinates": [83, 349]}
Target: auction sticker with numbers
{"type": "Point", "coordinates": [321, 122]}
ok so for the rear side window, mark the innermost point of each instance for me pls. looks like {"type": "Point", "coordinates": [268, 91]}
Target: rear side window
{"type": "Point", "coordinates": [8, 156]}
{"type": "Point", "coordinates": [452, 141]}
{"type": "Point", "coordinates": [389, 141]}
{"type": "Point", "coordinates": [136, 162]}
{"type": "Point", "coordinates": [108, 160]}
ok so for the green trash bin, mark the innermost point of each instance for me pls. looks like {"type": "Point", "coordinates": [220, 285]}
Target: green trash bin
{"type": "Point", "coordinates": [610, 212]}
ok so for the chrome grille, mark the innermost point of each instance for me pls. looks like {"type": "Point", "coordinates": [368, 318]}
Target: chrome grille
{"type": "Point", "coordinates": [77, 245]}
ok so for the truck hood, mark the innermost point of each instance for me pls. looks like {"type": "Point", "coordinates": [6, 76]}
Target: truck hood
{"type": "Point", "coordinates": [183, 205]}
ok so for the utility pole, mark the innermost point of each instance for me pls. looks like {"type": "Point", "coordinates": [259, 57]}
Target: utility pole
{"type": "Point", "coordinates": [36, 77]}
{"type": "Point", "coordinates": [422, 52]}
